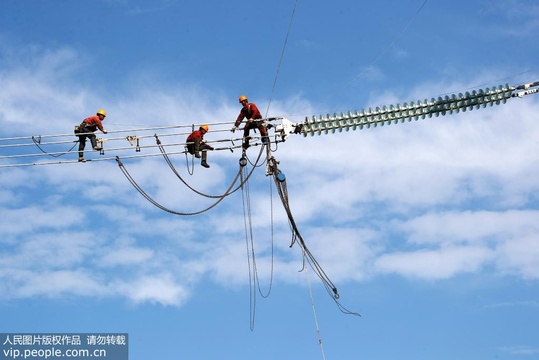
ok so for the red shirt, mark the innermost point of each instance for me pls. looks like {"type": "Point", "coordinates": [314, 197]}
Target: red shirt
{"type": "Point", "coordinates": [195, 135]}
{"type": "Point", "coordinates": [94, 120]}
{"type": "Point", "coordinates": [249, 111]}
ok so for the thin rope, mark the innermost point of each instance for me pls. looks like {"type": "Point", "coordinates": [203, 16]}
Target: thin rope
{"type": "Point", "coordinates": [254, 279]}
{"type": "Point", "coordinates": [272, 244]}
{"type": "Point", "coordinates": [190, 167]}
{"type": "Point", "coordinates": [336, 91]}
{"type": "Point", "coordinates": [314, 314]}
{"type": "Point", "coordinates": [251, 260]}
{"type": "Point", "coordinates": [281, 58]}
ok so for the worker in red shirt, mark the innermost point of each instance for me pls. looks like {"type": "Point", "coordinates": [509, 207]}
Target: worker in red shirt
{"type": "Point", "coordinates": [251, 112]}
{"type": "Point", "coordinates": [196, 144]}
{"type": "Point", "coordinates": [87, 128]}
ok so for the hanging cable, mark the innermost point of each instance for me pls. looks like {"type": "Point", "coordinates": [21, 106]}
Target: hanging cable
{"type": "Point", "coordinates": [151, 200]}
{"type": "Point", "coordinates": [38, 142]}
{"type": "Point", "coordinates": [280, 182]}
{"type": "Point", "coordinates": [251, 258]}
{"type": "Point", "coordinates": [173, 168]}
{"type": "Point", "coordinates": [254, 279]}
{"type": "Point", "coordinates": [272, 244]}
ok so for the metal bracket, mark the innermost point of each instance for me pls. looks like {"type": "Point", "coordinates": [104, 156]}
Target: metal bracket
{"type": "Point", "coordinates": [132, 139]}
{"type": "Point", "coordinates": [285, 128]}
{"type": "Point", "coordinates": [101, 142]}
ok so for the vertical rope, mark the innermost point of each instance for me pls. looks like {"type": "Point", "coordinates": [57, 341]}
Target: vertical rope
{"type": "Point", "coordinates": [314, 314]}
{"type": "Point", "coordinates": [250, 250]}
{"type": "Point", "coordinates": [281, 58]}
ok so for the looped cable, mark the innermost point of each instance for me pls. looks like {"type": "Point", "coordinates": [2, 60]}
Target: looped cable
{"type": "Point", "coordinates": [151, 200]}
{"type": "Point", "coordinates": [38, 143]}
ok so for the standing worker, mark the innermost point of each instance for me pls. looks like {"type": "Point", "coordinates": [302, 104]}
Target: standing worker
{"type": "Point", "coordinates": [196, 144]}
{"type": "Point", "coordinates": [251, 112]}
{"type": "Point", "coordinates": [87, 128]}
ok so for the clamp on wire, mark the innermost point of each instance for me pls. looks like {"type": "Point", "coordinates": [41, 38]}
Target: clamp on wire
{"type": "Point", "coordinates": [133, 139]}
{"type": "Point", "coordinates": [527, 89]}
{"type": "Point", "coordinates": [101, 142]}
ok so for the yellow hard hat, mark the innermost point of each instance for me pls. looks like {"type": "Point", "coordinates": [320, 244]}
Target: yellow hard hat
{"type": "Point", "coordinates": [101, 112]}
{"type": "Point", "coordinates": [243, 97]}
{"type": "Point", "coordinates": [205, 127]}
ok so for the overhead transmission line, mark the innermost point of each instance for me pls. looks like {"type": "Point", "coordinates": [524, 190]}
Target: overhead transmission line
{"type": "Point", "coordinates": [141, 140]}
{"type": "Point", "coordinates": [372, 63]}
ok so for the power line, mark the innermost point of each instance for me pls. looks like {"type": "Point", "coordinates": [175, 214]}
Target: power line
{"type": "Point", "coordinates": [136, 139]}
{"type": "Point", "coordinates": [282, 56]}
{"type": "Point", "coordinates": [382, 54]}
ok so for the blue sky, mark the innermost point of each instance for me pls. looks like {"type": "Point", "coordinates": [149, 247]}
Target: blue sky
{"type": "Point", "coordinates": [429, 229]}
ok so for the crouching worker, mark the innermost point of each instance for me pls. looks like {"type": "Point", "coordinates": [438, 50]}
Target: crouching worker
{"type": "Point", "coordinates": [196, 145]}
{"type": "Point", "coordinates": [87, 127]}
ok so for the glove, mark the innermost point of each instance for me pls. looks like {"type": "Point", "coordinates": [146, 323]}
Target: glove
{"type": "Point", "coordinates": [233, 128]}
{"type": "Point", "coordinates": [210, 147]}
{"type": "Point", "coordinates": [197, 155]}
{"type": "Point", "coordinates": [105, 131]}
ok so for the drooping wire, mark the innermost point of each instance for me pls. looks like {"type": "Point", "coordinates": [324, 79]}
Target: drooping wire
{"type": "Point", "coordinates": [38, 144]}
{"type": "Point", "coordinates": [173, 168]}
{"type": "Point", "coordinates": [191, 166]}
{"type": "Point", "coordinates": [151, 200]}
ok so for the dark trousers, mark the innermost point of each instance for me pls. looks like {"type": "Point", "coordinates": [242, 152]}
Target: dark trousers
{"type": "Point", "coordinates": [191, 148]}
{"type": "Point", "coordinates": [253, 125]}
{"type": "Point", "coordinates": [82, 139]}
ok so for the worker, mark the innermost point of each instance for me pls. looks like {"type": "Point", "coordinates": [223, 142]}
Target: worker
{"type": "Point", "coordinates": [87, 128]}
{"type": "Point", "coordinates": [196, 144]}
{"type": "Point", "coordinates": [251, 112]}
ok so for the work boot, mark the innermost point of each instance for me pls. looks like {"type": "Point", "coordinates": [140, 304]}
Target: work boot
{"type": "Point", "coordinates": [245, 144]}
{"type": "Point", "coordinates": [81, 159]}
{"type": "Point", "coordinates": [98, 148]}
{"type": "Point", "coordinates": [204, 157]}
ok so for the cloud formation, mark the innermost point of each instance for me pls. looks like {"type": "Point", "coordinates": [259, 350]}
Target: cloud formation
{"type": "Point", "coordinates": [427, 200]}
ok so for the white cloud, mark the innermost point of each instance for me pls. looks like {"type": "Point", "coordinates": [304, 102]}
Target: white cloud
{"type": "Point", "coordinates": [127, 255]}
{"type": "Point", "coordinates": [435, 264]}
{"type": "Point", "coordinates": [160, 288]}
{"type": "Point", "coordinates": [430, 199]}
{"type": "Point", "coordinates": [525, 350]}
{"type": "Point", "coordinates": [513, 304]}
{"type": "Point", "coordinates": [49, 283]}
{"type": "Point", "coordinates": [470, 227]}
